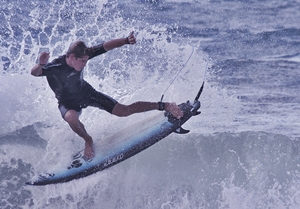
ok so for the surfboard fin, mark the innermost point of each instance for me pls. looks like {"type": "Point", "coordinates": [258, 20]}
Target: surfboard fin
{"type": "Point", "coordinates": [197, 113]}
{"type": "Point", "coordinates": [180, 130]}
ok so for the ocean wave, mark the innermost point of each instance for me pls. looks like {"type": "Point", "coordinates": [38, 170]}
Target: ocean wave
{"type": "Point", "coordinates": [245, 170]}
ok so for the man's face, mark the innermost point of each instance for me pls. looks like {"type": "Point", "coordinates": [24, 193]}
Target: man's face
{"type": "Point", "coordinates": [78, 63]}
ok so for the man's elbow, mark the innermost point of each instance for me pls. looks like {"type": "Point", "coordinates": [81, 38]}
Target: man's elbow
{"type": "Point", "coordinates": [34, 73]}
{"type": "Point", "coordinates": [107, 47]}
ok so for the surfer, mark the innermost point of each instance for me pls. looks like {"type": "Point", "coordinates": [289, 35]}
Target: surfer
{"type": "Point", "coordinates": [65, 77]}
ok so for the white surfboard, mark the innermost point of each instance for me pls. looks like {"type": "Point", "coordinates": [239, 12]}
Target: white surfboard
{"type": "Point", "coordinates": [119, 146]}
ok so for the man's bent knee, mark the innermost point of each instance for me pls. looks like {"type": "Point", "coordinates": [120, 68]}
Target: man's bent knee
{"type": "Point", "coordinates": [71, 116]}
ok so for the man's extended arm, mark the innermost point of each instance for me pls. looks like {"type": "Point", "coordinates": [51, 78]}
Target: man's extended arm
{"type": "Point", "coordinates": [109, 45]}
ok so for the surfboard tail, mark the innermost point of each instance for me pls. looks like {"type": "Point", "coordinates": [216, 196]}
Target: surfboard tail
{"type": "Point", "coordinates": [189, 109]}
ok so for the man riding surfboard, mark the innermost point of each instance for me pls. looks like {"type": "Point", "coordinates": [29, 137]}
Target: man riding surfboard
{"type": "Point", "coordinates": [65, 77]}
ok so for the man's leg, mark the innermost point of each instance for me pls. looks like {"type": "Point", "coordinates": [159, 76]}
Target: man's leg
{"type": "Point", "coordinates": [106, 102]}
{"type": "Point", "coordinates": [137, 107]}
{"type": "Point", "coordinates": [72, 118]}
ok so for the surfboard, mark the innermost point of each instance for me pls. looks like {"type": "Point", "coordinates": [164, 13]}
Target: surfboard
{"type": "Point", "coordinates": [121, 146]}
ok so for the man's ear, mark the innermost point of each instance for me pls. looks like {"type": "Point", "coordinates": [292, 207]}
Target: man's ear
{"type": "Point", "coordinates": [71, 56]}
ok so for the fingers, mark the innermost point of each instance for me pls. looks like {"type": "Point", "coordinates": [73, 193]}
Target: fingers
{"type": "Point", "coordinates": [131, 34]}
{"type": "Point", "coordinates": [131, 39]}
{"type": "Point", "coordinates": [44, 57]}
{"type": "Point", "coordinates": [45, 54]}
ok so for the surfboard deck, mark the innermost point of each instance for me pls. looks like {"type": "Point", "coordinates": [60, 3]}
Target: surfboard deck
{"type": "Point", "coordinates": [120, 146]}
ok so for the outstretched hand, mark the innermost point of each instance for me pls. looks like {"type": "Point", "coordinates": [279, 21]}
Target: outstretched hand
{"type": "Point", "coordinates": [131, 38]}
{"type": "Point", "coordinates": [44, 58]}
{"type": "Point", "coordinates": [174, 110]}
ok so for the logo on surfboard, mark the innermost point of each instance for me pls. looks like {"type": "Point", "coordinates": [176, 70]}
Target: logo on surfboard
{"type": "Point", "coordinates": [113, 160]}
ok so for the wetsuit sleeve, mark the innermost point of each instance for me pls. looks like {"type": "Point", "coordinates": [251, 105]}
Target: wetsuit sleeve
{"type": "Point", "coordinates": [97, 50]}
{"type": "Point", "coordinates": [45, 71]}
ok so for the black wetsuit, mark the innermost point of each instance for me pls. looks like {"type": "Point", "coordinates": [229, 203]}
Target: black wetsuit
{"type": "Point", "coordinates": [71, 90]}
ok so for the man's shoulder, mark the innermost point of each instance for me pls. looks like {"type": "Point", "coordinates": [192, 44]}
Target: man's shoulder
{"type": "Point", "coordinates": [56, 62]}
{"type": "Point", "coordinates": [53, 67]}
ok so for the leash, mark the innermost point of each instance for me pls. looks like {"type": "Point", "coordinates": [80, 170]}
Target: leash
{"type": "Point", "coordinates": [162, 96]}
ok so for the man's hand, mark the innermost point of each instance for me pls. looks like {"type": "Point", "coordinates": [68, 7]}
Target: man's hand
{"type": "Point", "coordinates": [44, 58]}
{"type": "Point", "coordinates": [131, 39]}
{"type": "Point", "coordinates": [174, 110]}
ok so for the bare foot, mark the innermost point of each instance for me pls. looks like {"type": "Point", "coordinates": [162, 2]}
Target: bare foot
{"type": "Point", "coordinates": [89, 151]}
{"type": "Point", "coordinates": [174, 110]}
